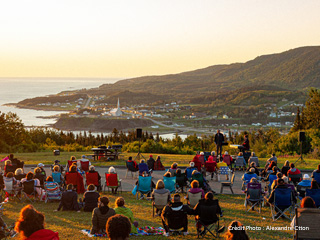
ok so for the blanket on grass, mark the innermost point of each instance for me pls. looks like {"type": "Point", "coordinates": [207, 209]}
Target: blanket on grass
{"type": "Point", "coordinates": [141, 232]}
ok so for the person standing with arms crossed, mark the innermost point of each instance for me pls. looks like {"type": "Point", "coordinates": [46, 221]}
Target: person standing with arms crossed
{"type": "Point", "coordinates": [219, 139]}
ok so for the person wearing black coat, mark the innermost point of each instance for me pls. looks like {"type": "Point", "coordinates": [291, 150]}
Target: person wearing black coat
{"type": "Point", "coordinates": [90, 199]}
{"type": "Point", "coordinates": [69, 200]}
{"type": "Point", "coordinates": [207, 211]}
{"type": "Point", "coordinates": [175, 216]}
{"type": "Point", "coordinates": [150, 162]}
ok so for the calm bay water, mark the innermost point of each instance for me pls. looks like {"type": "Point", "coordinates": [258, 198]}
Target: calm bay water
{"type": "Point", "coordinates": [15, 90]}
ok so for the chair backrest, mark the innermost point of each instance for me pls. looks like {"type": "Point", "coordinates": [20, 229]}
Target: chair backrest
{"type": "Point", "coordinates": [210, 166]}
{"type": "Point", "coordinates": [169, 183]}
{"type": "Point", "coordinates": [181, 180]}
{"type": "Point", "coordinates": [201, 159]}
{"type": "Point", "coordinates": [282, 197]}
{"type": "Point", "coordinates": [224, 170]}
{"type": "Point", "coordinates": [28, 186]}
{"type": "Point", "coordinates": [160, 200]}
{"type": "Point", "coordinates": [84, 165]}
{"type": "Point", "coordinates": [92, 178]}
{"type": "Point", "coordinates": [316, 177]}
{"type": "Point", "coordinates": [208, 213]}
{"type": "Point", "coordinates": [56, 177]}
{"type": "Point", "coordinates": [8, 184]}
{"type": "Point", "coordinates": [51, 186]}
{"type": "Point", "coordinates": [112, 179]}
{"type": "Point", "coordinates": [295, 178]}
{"type": "Point", "coordinates": [255, 160]}
{"type": "Point", "coordinates": [144, 184]}
{"type": "Point", "coordinates": [247, 177]}
{"type": "Point", "coordinates": [302, 190]}
{"type": "Point", "coordinates": [130, 166]}
{"type": "Point", "coordinates": [227, 159]}
{"type": "Point", "coordinates": [194, 198]}
{"type": "Point", "coordinates": [271, 179]}
{"type": "Point", "coordinates": [307, 218]}
{"type": "Point", "coordinates": [72, 177]}
{"type": "Point", "coordinates": [239, 161]}
{"type": "Point", "coordinates": [199, 178]}
{"type": "Point", "coordinates": [254, 191]}
{"type": "Point", "coordinates": [315, 195]}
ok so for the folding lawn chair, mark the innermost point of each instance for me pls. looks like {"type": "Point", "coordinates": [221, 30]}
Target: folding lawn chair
{"type": "Point", "coordinates": [224, 170]}
{"type": "Point", "coordinates": [253, 196]}
{"type": "Point", "coordinates": [170, 184]}
{"type": "Point", "coordinates": [246, 179]}
{"type": "Point", "coordinates": [181, 182]}
{"type": "Point", "coordinates": [315, 195]}
{"type": "Point", "coordinates": [159, 202]}
{"type": "Point", "coordinates": [112, 182]}
{"type": "Point", "coordinates": [53, 191]}
{"type": "Point", "coordinates": [209, 219]}
{"type": "Point", "coordinates": [10, 190]}
{"type": "Point", "coordinates": [228, 184]}
{"type": "Point", "coordinates": [283, 203]}
{"type": "Point", "coordinates": [29, 190]}
{"type": "Point", "coordinates": [131, 169]}
{"type": "Point", "coordinates": [84, 165]}
{"type": "Point", "coordinates": [211, 168]}
{"type": "Point", "coordinates": [302, 191]}
{"type": "Point", "coordinates": [307, 220]}
{"type": "Point", "coordinates": [193, 198]}
{"type": "Point", "coordinates": [93, 178]}
{"type": "Point", "coordinates": [271, 180]}
{"type": "Point", "coordinates": [144, 186]}
{"type": "Point", "coordinates": [295, 179]}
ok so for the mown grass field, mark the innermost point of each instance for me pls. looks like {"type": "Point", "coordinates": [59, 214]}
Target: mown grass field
{"type": "Point", "coordinates": [69, 224]}
{"type": "Point", "coordinates": [167, 159]}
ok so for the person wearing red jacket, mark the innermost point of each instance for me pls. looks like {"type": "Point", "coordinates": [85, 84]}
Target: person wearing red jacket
{"type": "Point", "coordinates": [31, 225]}
{"type": "Point", "coordinates": [293, 170]}
{"type": "Point", "coordinates": [197, 162]}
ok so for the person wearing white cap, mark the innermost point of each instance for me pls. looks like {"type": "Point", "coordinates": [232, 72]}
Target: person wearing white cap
{"type": "Point", "coordinates": [189, 170]}
{"type": "Point", "coordinates": [305, 183]}
{"type": "Point", "coordinates": [43, 172]}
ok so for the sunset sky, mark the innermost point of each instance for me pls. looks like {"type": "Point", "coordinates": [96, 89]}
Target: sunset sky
{"type": "Point", "coordinates": [101, 38]}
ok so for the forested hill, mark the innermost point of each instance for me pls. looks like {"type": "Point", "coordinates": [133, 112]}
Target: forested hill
{"type": "Point", "coordinates": [285, 74]}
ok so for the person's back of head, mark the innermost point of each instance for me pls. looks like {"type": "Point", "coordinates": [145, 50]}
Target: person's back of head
{"type": "Point", "coordinates": [160, 184]}
{"type": "Point", "coordinates": [142, 161]}
{"type": "Point", "coordinates": [176, 198]}
{"type": "Point", "coordinates": [174, 165]}
{"type": "Point", "coordinates": [30, 221]}
{"type": "Point", "coordinates": [252, 170]}
{"type": "Point", "coordinates": [167, 174]}
{"type": "Point", "coordinates": [73, 168]}
{"type": "Point", "coordinates": [292, 165]}
{"type": "Point", "coordinates": [91, 168]}
{"type": "Point", "coordinates": [56, 168]}
{"type": "Point", "coordinates": [279, 175]}
{"type": "Point", "coordinates": [286, 164]}
{"type": "Point", "coordinates": [308, 202]}
{"type": "Point", "coordinates": [91, 187]}
{"type": "Point", "coordinates": [194, 184]}
{"type": "Point", "coordinates": [18, 171]}
{"type": "Point", "coordinates": [191, 164]}
{"type": "Point", "coordinates": [314, 184]}
{"type": "Point", "coordinates": [178, 171]}
{"type": "Point", "coordinates": [104, 201]}
{"type": "Point", "coordinates": [49, 179]}
{"type": "Point", "coordinates": [130, 158]}
{"type": "Point", "coordinates": [118, 227]}
{"type": "Point", "coordinates": [72, 158]}
{"type": "Point", "coordinates": [236, 231]}
{"type": "Point", "coordinates": [208, 196]}
{"type": "Point", "coordinates": [120, 202]}
{"type": "Point", "coordinates": [9, 175]}
{"type": "Point", "coordinates": [30, 175]}
{"type": "Point", "coordinates": [274, 169]}
{"type": "Point", "coordinates": [70, 186]}
{"type": "Point", "coordinates": [280, 181]}
{"type": "Point", "coordinates": [319, 168]}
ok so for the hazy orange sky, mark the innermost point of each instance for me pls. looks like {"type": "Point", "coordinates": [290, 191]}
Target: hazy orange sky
{"type": "Point", "coordinates": [101, 38]}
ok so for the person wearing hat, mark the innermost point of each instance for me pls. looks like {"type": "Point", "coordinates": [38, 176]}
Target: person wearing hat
{"type": "Point", "coordinates": [175, 216]}
{"type": "Point", "coordinates": [303, 185]}
{"type": "Point", "coordinates": [150, 162]}
{"type": "Point", "coordinates": [43, 172]}
{"type": "Point", "coordinates": [189, 170]}
{"type": "Point", "coordinates": [56, 163]}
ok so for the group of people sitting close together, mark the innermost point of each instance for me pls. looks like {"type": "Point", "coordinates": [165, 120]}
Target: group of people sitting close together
{"type": "Point", "coordinates": [173, 216]}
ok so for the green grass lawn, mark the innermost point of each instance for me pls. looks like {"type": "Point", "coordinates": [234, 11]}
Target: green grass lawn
{"type": "Point", "coordinates": [167, 159]}
{"type": "Point", "coordinates": [69, 224]}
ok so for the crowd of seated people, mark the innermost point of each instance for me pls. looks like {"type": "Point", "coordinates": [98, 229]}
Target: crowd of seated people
{"type": "Point", "coordinates": [93, 202]}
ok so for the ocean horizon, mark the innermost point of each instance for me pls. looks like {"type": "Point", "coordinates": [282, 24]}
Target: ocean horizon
{"type": "Point", "coordinates": [13, 90]}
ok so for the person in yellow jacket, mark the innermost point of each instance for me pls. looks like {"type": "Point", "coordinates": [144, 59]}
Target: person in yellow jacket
{"type": "Point", "coordinates": [122, 210]}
